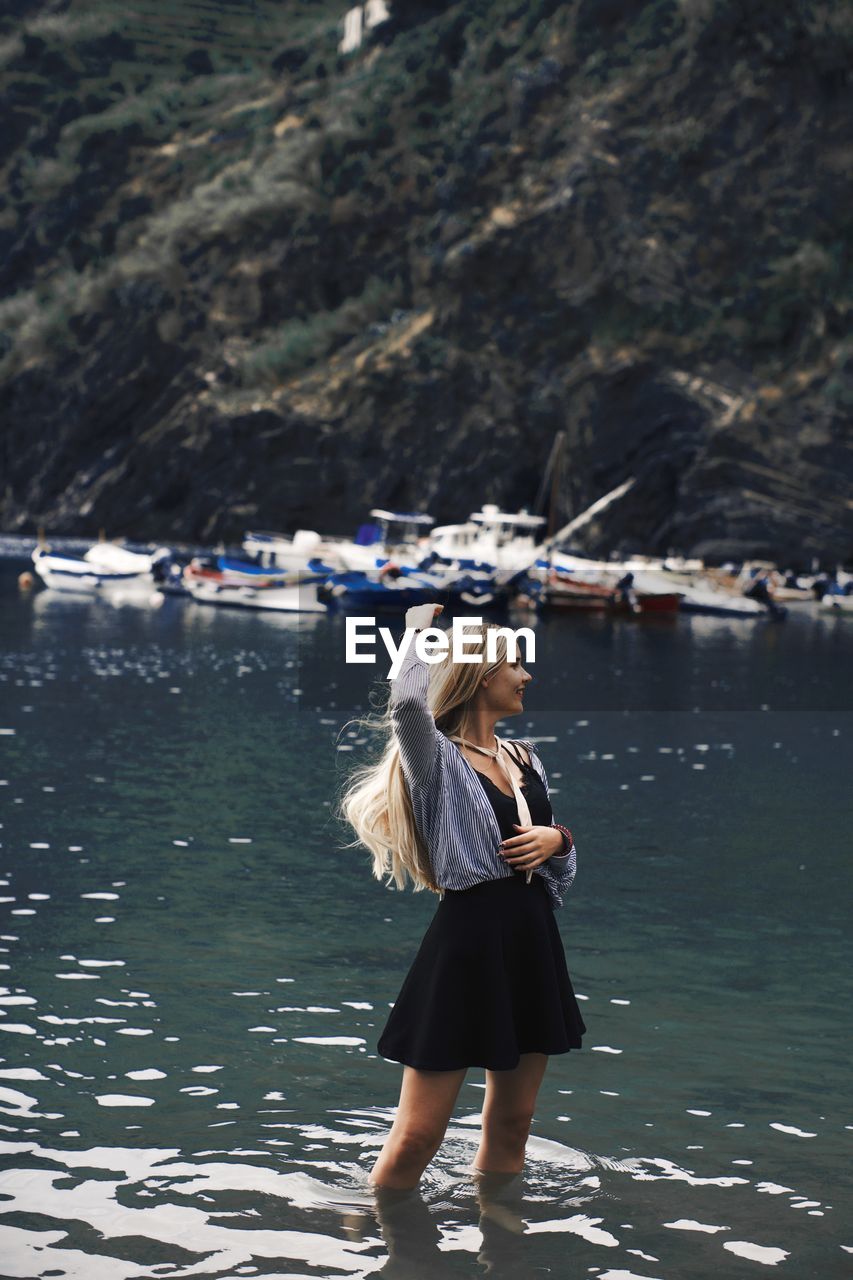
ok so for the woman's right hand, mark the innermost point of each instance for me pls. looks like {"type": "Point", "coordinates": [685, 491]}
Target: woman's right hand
{"type": "Point", "coordinates": [422, 615]}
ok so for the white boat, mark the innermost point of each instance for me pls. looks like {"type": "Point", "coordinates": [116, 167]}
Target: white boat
{"type": "Point", "coordinates": [300, 599]}
{"type": "Point", "coordinates": [208, 583]}
{"type": "Point", "coordinates": [251, 573]}
{"type": "Point", "coordinates": [785, 588]}
{"type": "Point", "coordinates": [835, 602]}
{"type": "Point", "coordinates": [490, 539]}
{"type": "Point", "coordinates": [71, 573]}
{"type": "Point", "coordinates": [713, 599]}
{"type": "Point", "coordinates": [103, 567]}
{"type": "Point", "coordinates": [280, 551]}
{"type": "Point", "coordinates": [112, 556]}
{"type": "Point", "coordinates": [396, 536]}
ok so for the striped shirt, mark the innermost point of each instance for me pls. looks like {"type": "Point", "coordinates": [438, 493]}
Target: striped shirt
{"type": "Point", "coordinates": [454, 815]}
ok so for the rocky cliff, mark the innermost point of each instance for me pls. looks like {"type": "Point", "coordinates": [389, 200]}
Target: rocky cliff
{"type": "Point", "coordinates": [250, 281]}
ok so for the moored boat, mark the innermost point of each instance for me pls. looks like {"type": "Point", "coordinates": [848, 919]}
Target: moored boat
{"type": "Point", "coordinates": [711, 600]}
{"type": "Point", "coordinates": [489, 539]}
{"type": "Point", "coordinates": [395, 587]}
{"type": "Point", "coordinates": [388, 535]}
{"type": "Point", "coordinates": [280, 551]}
{"type": "Point", "coordinates": [208, 582]}
{"type": "Point", "coordinates": [563, 591]}
{"type": "Point", "coordinates": [105, 566]}
{"type": "Point", "coordinates": [399, 537]}
{"type": "Point", "coordinates": [837, 602]}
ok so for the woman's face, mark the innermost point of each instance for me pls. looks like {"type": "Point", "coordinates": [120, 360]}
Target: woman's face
{"type": "Point", "coordinates": [504, 692]}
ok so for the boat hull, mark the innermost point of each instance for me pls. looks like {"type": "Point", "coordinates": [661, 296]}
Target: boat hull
{"type": "Point", "coordinates": [84, 577]}
{"type": "Point", "coordinates": [301, 598]}
{"type": "Point", "coordinates": [566, 592]}
{"type": "Point", "coordinates": [837, 604]}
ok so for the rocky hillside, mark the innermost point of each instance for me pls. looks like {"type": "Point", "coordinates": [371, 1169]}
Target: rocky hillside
{"type": "Point", "coordinates": [249, 281]}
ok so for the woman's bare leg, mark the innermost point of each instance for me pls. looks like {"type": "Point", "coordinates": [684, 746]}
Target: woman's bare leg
{"type": "Point", "coordinates": [507, 1113]}
{"type": "Point", "coordinates": [426, 1103]}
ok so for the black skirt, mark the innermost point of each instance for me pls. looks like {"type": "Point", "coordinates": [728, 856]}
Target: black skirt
{"type": "Point", "coordinates": [489, 982]}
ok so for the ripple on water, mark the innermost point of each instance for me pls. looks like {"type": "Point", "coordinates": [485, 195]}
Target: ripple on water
{"type": "Point", "coordinates": [328, 1040]}
{"type": "Point", "coordinates": [756, 1252]}
{"type": "Point", "coordinates": [792, 1129]}
{"type": "Point", "coordinates": [123, 1100]}
{"type": "Point", "coordinates": [198, 1204]}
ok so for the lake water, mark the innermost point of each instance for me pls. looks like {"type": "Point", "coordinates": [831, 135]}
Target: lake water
{"type": "Point", "coordinates": [196, 972]}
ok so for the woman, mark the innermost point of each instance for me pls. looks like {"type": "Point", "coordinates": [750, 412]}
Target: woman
{"type": "Point", "coordinates": [460, 812]}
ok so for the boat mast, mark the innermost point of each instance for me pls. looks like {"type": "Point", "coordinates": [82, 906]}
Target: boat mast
{"type": "Point", "coordinates": [553, 471]}
{"type": "Point", "coordinates": [599, 505]}
{"type": "Point", "coordinates": [556, 479]}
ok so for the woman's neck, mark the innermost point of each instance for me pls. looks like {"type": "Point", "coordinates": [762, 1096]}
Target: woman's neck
{"type": "Point", "coordinates": [480, 729]}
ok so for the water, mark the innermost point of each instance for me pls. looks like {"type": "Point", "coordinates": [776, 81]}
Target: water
{"type": "Point", "coordinates": [196, 972]}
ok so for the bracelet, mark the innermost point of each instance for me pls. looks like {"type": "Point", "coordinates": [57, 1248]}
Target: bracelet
{"type": "Point", "coordinates": [567, 835]}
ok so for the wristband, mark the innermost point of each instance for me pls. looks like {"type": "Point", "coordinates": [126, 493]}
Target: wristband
{"type": "Point", "coordinates": [567, 835]}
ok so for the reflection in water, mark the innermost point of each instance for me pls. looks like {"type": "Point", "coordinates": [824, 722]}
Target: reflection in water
{"type": "Point", "coordinates": [411, 1235]}
{"type": "Point", "coordinates": [231, 1209]}
{"type": "Point", "coordinates": [418, 1249]}
{"type": "Point", "coordinates": [187, 616]}
{"type": "Point", "coordinates": [501, 1201]}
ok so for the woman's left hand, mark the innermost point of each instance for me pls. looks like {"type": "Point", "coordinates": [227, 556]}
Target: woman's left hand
{"type": "Point", "coordinates": [532, 847]}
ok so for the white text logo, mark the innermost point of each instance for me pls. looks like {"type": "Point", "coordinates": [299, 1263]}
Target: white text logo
{"type": "Point", "coordinates": [431, 644]}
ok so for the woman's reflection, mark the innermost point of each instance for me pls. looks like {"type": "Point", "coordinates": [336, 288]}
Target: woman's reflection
{"type": "Point", "coordinates": [412, 1235]}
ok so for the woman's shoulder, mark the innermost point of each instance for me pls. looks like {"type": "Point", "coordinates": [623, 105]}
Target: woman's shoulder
{"type": "Point", "coordinates": [527, 748]}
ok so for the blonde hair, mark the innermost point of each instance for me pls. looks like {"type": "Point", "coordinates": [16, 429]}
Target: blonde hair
{"type": "Point", "coordinates": [376, 801]}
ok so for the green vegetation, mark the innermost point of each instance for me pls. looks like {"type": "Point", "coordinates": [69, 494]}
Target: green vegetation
{"type": "Point", "coordinates": [201, 148]}
{"type": "Point", "coordinates": [297, 344]}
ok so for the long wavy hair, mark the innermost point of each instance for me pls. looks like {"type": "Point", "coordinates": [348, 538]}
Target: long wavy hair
{"type": "Point", "coordinates": [375, 801]}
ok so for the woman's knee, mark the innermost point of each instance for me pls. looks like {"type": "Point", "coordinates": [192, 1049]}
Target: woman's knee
{"type": "Point", "coordinates": [418, 1141]}
{"type": "Point", "coordinates": [510, 1127]}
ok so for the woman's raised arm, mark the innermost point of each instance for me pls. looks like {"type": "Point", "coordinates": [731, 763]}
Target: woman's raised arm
{"type": "Point", "coordinates": [414, 726]}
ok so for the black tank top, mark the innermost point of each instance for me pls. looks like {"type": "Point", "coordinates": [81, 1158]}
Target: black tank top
{"type": "Point", "coordinates": [504, 805]}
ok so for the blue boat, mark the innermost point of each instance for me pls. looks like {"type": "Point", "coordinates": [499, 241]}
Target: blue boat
{"type": "Point", "coordinates": [396, 588]}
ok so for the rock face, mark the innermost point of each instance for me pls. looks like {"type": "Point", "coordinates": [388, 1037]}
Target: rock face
{"type": "Point", "coordinates": [250, 281]}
